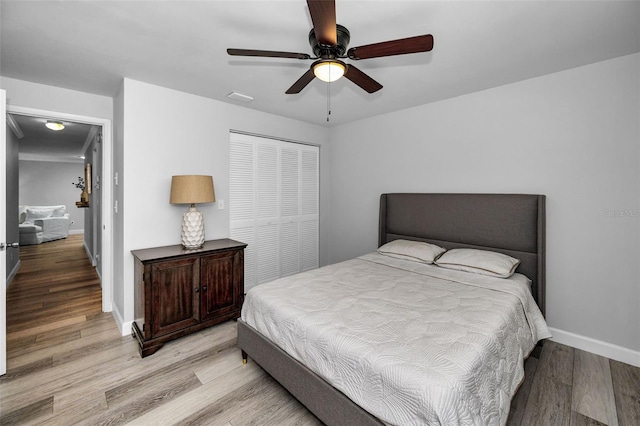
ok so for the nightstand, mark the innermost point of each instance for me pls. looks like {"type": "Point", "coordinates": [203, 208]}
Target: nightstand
{"type": "Point", "coordinates": [180, 291]}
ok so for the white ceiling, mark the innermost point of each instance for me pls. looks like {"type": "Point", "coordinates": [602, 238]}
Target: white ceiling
{"type": "Point", "coordinates": [91, 45]}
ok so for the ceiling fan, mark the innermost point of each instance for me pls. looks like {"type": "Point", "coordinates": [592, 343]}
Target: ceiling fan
{"type": "Point", "coordinates": [329, 43]}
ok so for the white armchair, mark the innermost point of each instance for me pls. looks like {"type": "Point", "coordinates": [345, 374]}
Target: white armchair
{"type": "Point", "coordinates": [39, 224]}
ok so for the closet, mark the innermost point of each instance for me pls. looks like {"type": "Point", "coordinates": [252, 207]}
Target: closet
{"type": "Point", "coordinates": [274, 205]}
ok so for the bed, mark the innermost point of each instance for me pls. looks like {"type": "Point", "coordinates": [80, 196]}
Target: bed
{"type": "Point", "coordinates": [381, 387]}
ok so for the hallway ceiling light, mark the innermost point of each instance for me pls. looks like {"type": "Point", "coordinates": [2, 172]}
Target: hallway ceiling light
{"type": "Point", "coordinates": [54, 125]}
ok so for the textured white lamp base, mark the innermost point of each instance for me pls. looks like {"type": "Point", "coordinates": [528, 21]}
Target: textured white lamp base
{"type": "Point", "coordinates": [192, 228]}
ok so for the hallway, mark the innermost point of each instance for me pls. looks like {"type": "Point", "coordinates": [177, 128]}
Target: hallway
{"type": "Point", "coordinates": [55, 286]}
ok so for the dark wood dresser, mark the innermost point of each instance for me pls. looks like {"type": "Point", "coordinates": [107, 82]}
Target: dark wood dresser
{"type": "Point", "coordinates": [179, 291]}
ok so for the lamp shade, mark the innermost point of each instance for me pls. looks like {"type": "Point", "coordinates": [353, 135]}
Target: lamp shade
{"type": "Point", "coordinates": [192, 189]}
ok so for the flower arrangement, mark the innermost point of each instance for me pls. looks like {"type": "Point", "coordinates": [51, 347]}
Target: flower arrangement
{"type": "Point", "coordinates": [80, 184]}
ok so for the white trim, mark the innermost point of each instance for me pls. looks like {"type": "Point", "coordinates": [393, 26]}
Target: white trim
{"type": "Point", "coordinates": [89, 255]}
{"type": "Point", "coordinates": [125, 327]}
{"type": "Point", "coordinates": [107, 202]}
{"type": "Point", "coordinates": [49, 158]}
{"type": "Point", "coordinates": [275, 138]}
{"type": "Point", "coordinates": [13, 273]}
{"type": "Point", "coordinates": [106, 255]}
{"type": "Point", "coordinates": [597, 347]}
{"type": "Point", "coordinates": [14, 126]}
{"type": "Point", "coordinates": [3, 233]}
{"type": "Point", "coordinates": [76, 231]}
{"type": "Point", "coordinates": [92, 134]}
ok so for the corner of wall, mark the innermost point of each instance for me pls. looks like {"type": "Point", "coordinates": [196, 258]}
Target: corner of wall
{"type": "Point", "coordinates": [124, 327]}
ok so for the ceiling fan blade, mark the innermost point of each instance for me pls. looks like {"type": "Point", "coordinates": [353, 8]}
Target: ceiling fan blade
{"type": "Point", "coordinates": [301, 83]}
{"type": "Point", "coordinates": [362, 79]}
{"type": "Point", "coordinates": [323, 16]}
{"type": "Point", "coordinates": [403, 46]}
{"type": "Point", "coordinates": [267, 54]}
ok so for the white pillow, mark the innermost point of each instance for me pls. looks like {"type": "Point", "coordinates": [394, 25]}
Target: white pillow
{"type": "Point", "coordinates": [411, 250]}
{"type": "Point", "coordinates": [37, 214]}
{"type": "Point", "coordinates": [59, 212]}
{"type": "Point", "coordinates": [479, 262]}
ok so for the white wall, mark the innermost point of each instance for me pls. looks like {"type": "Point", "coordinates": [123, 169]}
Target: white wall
{"type": "Point", "coordinates": [40, 96]}
{"type": "Point", "coordinates": [167, 133]}
{"type": "Point", "coordinates": [573, 136]}
{"type": "Point", "coordinates": [46, 183]}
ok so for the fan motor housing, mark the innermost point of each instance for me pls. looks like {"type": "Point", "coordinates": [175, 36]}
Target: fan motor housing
{"type": "Point", "coordinates": [323, 51]}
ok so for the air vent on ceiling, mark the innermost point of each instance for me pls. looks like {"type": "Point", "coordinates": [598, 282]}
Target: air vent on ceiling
{"type": "Point", "coordinates": [239, 97]}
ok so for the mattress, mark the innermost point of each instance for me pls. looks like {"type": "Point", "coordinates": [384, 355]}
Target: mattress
{"type": "Point", "coordinates": [413, 344]}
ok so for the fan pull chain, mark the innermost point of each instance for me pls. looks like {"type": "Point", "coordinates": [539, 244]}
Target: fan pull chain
{"type": "Point", "coordinates": [328, 101]}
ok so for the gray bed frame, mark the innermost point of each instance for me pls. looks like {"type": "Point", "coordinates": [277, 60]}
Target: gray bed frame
{"type": "Point", "coordinates": [513, 224]}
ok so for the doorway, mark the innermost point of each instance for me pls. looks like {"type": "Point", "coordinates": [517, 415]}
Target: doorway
{"type": "Point", "coordinates": [101, 172]}
{"type": "Point", "coordinates": [59, 172]}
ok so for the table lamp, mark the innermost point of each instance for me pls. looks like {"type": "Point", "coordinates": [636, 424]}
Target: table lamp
{"type": "Point", "coordinates": [192, 189]}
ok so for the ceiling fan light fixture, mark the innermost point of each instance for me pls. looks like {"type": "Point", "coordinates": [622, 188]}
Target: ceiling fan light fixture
{"type": "Point", "coordinates": [329, 70]}
{"type": "Point", "coordinates": [329, 42]}
{"type": "Point", "coordinates": [54, 125]}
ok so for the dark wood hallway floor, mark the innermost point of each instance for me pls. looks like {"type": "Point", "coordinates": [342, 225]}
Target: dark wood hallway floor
{"type": "Point", "coordinates": [56, 286]}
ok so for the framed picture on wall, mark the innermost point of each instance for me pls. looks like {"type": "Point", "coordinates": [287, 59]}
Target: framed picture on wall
{"type": "Point", "coordinates": [87, 177]}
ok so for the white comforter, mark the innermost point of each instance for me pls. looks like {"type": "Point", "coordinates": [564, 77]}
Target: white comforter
{"type": "Point", "coordinates": [412, 344]}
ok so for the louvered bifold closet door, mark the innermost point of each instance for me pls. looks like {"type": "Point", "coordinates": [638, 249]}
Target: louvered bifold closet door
{"type": "Point", "coordinates": [242, 206]}
{"type": "Point", "coordinates": [273, 206]}
{"type": "Point", "coordinates": [309, 206]}
{"type": "Point", "coordinates": [267, 220]}
{"type": "Point", "coordinates": [289, 210]}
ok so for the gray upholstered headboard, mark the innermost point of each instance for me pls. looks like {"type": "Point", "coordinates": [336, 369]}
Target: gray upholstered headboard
{"type": "Point", "coordinates": [513, 224]}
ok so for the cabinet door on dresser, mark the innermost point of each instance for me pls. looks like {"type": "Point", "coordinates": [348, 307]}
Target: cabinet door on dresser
{"type": "Point", "coordinates": [222, 284]}
{"type": "Point", "coordinates": [174, 295]}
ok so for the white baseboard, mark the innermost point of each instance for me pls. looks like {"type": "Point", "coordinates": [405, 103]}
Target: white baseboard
{"type": "Point", "coordinates": [13, 273]}
{"type": "Point", "coordinates": [597, 347]}
{"type": "Point", "coordinates": [76, 231]}
{"type": "Point", "coordinates": [89, 255]}
{"type": "Point", "coordinates": [125, 327]}
{"type": "Point", "coordinates": [118, 318]}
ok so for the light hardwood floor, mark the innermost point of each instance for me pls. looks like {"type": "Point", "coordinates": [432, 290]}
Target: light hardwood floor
{"type": "Point", "coordinates": [68, 364]}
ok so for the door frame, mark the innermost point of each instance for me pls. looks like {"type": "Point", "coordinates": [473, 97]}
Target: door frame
{"type": "Point", "coordinates": [3, 230]}
{"type": "Point", "coordinates": [106, 274]}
